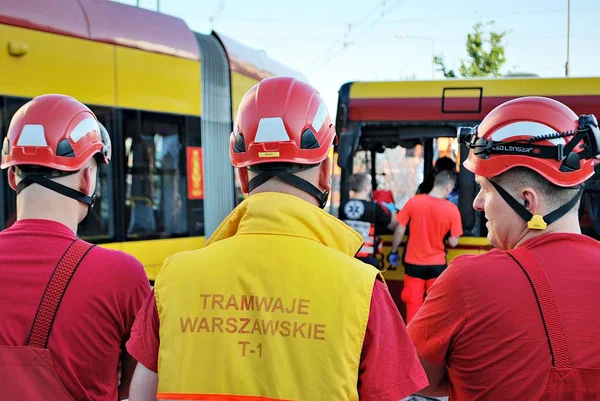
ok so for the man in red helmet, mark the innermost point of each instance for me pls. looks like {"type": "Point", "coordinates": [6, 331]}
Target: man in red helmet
{"type": "Point", "coordinates": [67, 307]}
{"type": "Point", "coordinates": [275, 306]}
{"type": "Point", "coordinates": [521, 321]}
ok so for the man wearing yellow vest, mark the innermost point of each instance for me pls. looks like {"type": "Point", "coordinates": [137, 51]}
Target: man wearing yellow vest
{"type": "Point", "coordinates": [275, 306]}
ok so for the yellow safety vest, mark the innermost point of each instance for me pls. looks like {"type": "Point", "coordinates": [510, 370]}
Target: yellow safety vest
{"type": "Point", "coordinates": [274, 307]}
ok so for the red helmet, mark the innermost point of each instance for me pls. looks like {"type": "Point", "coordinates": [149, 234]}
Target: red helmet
{"type": "Point", "coordinates": [538, 133]}
{"type": "Point", "coordinates": [281, 124]}
{"type": "Point", "coordinates": [281, 120]}
{"type": "Point", "coordinates": [55, 131]}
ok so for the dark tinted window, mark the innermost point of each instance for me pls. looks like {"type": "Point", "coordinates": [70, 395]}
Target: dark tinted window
{"type": "Point", "coordinates": [155, 177]}
{"type": "Point", "coordinates": [99, 225]}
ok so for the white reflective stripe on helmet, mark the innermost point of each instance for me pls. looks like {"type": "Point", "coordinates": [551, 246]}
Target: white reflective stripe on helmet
{"type": "Point", "coordinates": [32, 135]}
{"type": "Point", "coordinates": [85, 127]}
{"type": "Point", "coordinates": [271, 129]}
{"type": "Point", "coordinates": [525, 128]}
{"type": "Point", "coordinates": [320, 117]}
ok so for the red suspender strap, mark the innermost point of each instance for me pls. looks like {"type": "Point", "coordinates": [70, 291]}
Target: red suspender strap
{"type": "Point", "coordinates": [44, 318]}
{"type": "Point", "coordinates": [553, 323]}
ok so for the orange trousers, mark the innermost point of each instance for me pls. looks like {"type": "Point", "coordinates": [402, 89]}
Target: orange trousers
{"type": "Point", "coordinates": [413, 294]}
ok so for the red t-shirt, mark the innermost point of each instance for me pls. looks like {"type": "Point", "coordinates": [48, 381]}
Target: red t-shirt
{"type": "Point", "coordinates": [431, 219]}
{"type": "Point", "coordinates": [95, 316]}
{"type": "Point", "coordinates": [481, 318]}
{"type": "Point", "coordinates": [389, 368]}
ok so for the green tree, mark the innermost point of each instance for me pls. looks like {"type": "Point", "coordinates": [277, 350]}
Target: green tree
{"type": "Point", "coordinates": [486, 54]}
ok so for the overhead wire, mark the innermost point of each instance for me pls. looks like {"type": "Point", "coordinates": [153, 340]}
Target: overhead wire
{"type": "Point", "coordinates": [283, 21]}
{"type": "Point", "coordinates": [348, 40]}
{"type": "Point", "coordinates": [217, 14]}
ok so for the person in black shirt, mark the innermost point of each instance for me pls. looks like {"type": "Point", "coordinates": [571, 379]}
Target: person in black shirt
{"type": "Point", "coordinates": [370, 219]}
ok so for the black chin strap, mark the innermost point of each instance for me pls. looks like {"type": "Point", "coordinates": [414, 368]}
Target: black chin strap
{"type": "Point", "coordinates": [537, 222]}
{"type": "Point", "coordinates": [56, 187]}
{"type": "Point", "coordinates": [291, 179]}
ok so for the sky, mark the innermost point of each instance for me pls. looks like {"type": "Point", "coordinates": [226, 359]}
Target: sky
{"type": "Point", "coordinates": [335, 41]}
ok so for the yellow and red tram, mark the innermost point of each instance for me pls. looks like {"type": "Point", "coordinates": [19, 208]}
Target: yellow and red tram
{"type": "Point", "coordinates": [397, 130]}
{"type": "Point", "coordinates": [167, 96]}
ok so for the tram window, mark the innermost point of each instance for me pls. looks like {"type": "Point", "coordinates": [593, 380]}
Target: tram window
{"type": "Point", "coordinates": [99, 224]}
{"type": "Point", "coordinates": [155, 196]}
{"type": "Point", "coordinates": [398, 169]}
{"type": "Point", "coordinates": [445, 147]}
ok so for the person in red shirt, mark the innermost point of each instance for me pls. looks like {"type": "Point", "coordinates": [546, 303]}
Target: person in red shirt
{"type": "Point", "coordinates": [52, 151]}
{"type": "Point", "coordinates": [521, 322]}
{"type": "Point", "coordinates": [298, 173]}
{"type": "Point", "coordinates": [432, 219]}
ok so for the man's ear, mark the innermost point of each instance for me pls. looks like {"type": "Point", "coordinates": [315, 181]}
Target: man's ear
{"type": "Point", "coordinates": [325, 174]}
{"type": "Point", "coordinates": [12, 179]}
{"type": "Point", "coordinates": [86, 184]}
{"type": "Point", "coordinates": [243, 176]}
{"type": "Point", "coordinates": [532, 201]}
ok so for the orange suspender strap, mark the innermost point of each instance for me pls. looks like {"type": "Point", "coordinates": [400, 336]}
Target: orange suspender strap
{"type": "Point", "coordinates": [44, 318]}
{"type": "Point", "coordinates": [551, 316]}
